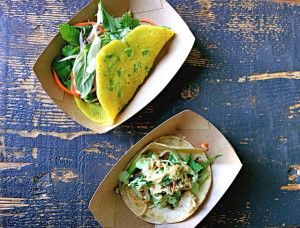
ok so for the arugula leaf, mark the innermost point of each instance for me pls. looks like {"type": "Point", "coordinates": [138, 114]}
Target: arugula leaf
{"type": "Point", "coordinates": [70, 34]}
{"type": "Point", "coordinates": [195, 166]}
{"type": "Point", "coordinates": [109, 23]}
{"type": "Point", "coordinates": [188, 158]}
{"type": "Point", "coordinates": [63, 70]}
{"type": "Point", "coordinates": [210, 160]}
{"type": "Point", "coordinates": [133, 165]}
{"type": "Point", "coordinates": [70, 50]}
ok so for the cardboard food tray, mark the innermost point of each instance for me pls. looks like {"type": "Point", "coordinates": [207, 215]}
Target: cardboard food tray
{"type": "Point", "coordinates": [166, 65]}
{"type": "Point", "coordinates": [110, 210]}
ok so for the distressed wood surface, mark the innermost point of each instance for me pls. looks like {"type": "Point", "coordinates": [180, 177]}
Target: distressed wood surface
{"type": "Point", "coordinates": [242, 74]}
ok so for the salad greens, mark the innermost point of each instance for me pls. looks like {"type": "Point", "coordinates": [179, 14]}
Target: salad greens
{"type": "Point", "coordinates": [84, 42]}
{"type": "Point", "coordinates": [160, 179]}
{"type": "Point", "coordinates": [70, 34]}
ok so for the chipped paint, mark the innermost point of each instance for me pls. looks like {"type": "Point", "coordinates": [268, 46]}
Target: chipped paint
{"type": "Point", "coordinates": [112, 156]}
{"type": "Point", "coordinates": [18, 154]}
{"type": "Point", "coordinates": [246, 140]}
{"type": "Point", "coordinates": [12, 214]}
{"type": "Point", "coordinates": [97, 148]}
{"type": "Point", "coordinates": [242, 79]}
{"type": "Point", "coordinates": [36, 133]}
{"type": "Point", "coordinates": [291, 187]}
{"type": "Point", "coordinates": [108, 164]}
{"type": "Point", "coordinates": [195, 58]}
{"type": "Point", "coordinates": [34, 152]}
{"type": "Point", "coordinates": [7, 203]}
{"type": "Point", "coordinates": [13, 165]}
{"type": "Point", "coordinates": [267, 76]}
{"type": "Point", "coordinates": [200, 14]}
{"type": "Point", "coordinates": [283, 140]}
{"type": "Point", "coordinates": [248, 25]}
{"type": "Point", "coordinates": [63, 175]}
{"type": "Point", "coordinates": [294, 106]}
{"type": "Point", "coordinates": [297, 2]}
{"type": "Point", "coordinates": [294, 110]}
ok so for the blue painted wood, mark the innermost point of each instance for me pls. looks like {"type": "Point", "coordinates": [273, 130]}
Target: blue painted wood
{"type": "Point", "coordinates": [57, 164]}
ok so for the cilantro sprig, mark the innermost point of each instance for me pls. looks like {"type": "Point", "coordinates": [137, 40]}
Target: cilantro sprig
{"type": "Point", "coordinates": [70, 34]}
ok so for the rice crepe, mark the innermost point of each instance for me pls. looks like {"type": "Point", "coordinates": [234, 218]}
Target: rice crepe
{"type": "Point", "coordinates": [123, 65]}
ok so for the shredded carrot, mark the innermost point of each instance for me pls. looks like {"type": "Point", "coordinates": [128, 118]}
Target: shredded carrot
{"type": "Point", "coordinates": [73, 85]}
{"type": "Point", "coordinates": [147, 21]}
{"type": "Point", "coordinates": [90, 23]}
{"type": "Point", "coordinates": [61, 86]}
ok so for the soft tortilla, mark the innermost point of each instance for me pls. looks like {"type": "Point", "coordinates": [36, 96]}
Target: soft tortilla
{"type": "Point", "coordinates": [187, 204]}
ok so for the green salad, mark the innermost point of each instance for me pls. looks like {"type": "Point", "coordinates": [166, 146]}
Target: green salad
{"type": "Point", "coordinates": [75, 68]}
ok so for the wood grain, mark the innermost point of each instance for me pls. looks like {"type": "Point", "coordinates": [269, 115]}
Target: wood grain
{"type": "Point", "coordinates": [246, 63]}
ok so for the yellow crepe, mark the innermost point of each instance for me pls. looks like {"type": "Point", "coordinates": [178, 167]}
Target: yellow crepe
{"type": "Point", "coordinates": [123, 65]}
{"type": "Point", "coordinates": [95, 112]}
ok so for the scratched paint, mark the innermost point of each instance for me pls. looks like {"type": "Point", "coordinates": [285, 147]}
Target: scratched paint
{"type": "Point", "coordinates": [294, 111]}
{"type": "Point", "coordinates": [12, 165]}
{"type": "Point", "coordinates": [7, 203]}
{"type": "Point", "coordinates": [267, 76]}
{"type": "Point", "coordinates": [36, 133]}
{"type": "Point", "coordinates": [63, 175]}
{"type": "Point", "coordinates": [34, 152]}
{"type": "Point", "coordinates": [287, 1]}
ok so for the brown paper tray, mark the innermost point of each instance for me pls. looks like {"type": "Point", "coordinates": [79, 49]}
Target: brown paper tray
{"type": "Point", "coordinates": [108, 207]}
{"type": "Point", "coordinates": [170, 59]}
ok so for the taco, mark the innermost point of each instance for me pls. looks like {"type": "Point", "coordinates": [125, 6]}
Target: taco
{"type": "Point", "coordinates": [167, 181]}
{"type": "Point", "coordinates": [105, 62]}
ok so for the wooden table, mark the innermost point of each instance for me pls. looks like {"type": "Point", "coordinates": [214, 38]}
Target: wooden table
{"type": "Point", "coordinates": [246, 63]}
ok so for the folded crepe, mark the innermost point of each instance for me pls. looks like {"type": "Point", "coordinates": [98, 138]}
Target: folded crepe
{"type": "Point", "coordinates": [122, 66]}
